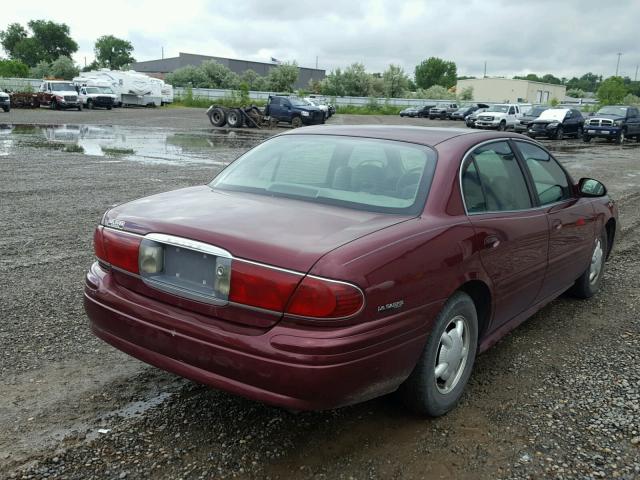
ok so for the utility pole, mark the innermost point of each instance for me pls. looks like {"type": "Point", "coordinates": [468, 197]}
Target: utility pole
{"type": "Point", "coordinates": [162, 52]}
{"type": "Point", "coordinates": [618, 64]}
{"type": "Point", "coordinates": [316, 62]}
{"type": "Point", "coordinates": [485, 69]}
{"type": "Point", "coordinates": [636, 77]}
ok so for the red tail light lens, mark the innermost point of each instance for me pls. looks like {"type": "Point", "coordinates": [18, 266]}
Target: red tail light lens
{"type": "Point", "coordinates": [98, 244]}
{"type": "Point", "coordinates": [120, 249]}
{"type": "Point", "coordinates": [260, 286]}
{"type": "Point", "coordinates": [320, 298]}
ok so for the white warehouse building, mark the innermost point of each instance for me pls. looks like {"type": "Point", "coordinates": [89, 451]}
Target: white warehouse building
{"type": "Point", "coordinates": [509, 90]}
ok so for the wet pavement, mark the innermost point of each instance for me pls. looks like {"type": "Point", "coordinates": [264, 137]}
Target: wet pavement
{"type": "Point", "coordinates": [138, 144]}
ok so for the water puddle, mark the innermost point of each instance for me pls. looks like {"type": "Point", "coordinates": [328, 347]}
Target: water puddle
{"type": "Point", "coordinates": [148, 145]}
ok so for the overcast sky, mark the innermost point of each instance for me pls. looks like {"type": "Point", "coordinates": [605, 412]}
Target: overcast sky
{"type": "Point", "coordinates": [566, 38]}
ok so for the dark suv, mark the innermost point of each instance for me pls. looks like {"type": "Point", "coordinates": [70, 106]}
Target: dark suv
{"type": "Point", "coordinates": [613, 122]}
{"type": "Point", "coordinates": [556, 123]}
{"type": "Point", "coordinates": [522, 125]}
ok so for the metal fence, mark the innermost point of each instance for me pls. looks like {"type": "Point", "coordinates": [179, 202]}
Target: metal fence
{"type": "Point", "coordinates": [215, 93]}
{"type": "Point", "coordinates": [19, 84]}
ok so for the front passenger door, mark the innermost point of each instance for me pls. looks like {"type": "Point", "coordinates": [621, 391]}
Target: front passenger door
{"type": "Point", "coordinates": [511, 235]}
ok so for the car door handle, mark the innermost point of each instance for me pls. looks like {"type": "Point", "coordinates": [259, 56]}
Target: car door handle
{"type": "Point", "coordinates": [491, 241]}
{"type": "Point", "coordinates": [556, 224]}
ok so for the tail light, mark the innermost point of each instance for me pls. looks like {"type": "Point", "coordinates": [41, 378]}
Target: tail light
{"type": "Point", "coordinates": [322, 298]}
{"type": "Point", "coordinates": [117, 248]}
{"type": "Point", "coordinates": [260, 286]}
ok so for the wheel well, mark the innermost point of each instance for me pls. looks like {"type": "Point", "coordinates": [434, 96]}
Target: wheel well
{"type": "Point", "coordinates": [481, 296]}
{"type": "Point", "coordinates": [610, 227]}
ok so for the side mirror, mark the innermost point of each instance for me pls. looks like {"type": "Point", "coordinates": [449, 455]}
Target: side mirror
{"type": "Point", "coordinates": [588, 187]}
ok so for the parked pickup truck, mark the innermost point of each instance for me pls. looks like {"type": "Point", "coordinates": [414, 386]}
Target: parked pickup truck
{"type": "Point", "coordinates": [58, 94]}
{"type": "Point", "coordinates": [614, 122]}
{"type": "Point", "coordinates": [442, 110]}
{"type": "Point", "coordinates": [500, 117]}
{"type": "Point", "coordinates": [292, 110]}
{"type": "Point", "coordinates": [5, 101]}
{"type": "Point", "coordinates": [92, 97]}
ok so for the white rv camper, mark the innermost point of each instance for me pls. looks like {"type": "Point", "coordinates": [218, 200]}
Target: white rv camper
{"type": "Point", "coordinates": [132, 87]}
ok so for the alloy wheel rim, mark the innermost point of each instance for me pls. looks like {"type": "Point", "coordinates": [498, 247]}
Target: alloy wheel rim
{"type": "Point", "coordinates": [596, 262]}
{"type": "Point", "coordinates": [452, 354]}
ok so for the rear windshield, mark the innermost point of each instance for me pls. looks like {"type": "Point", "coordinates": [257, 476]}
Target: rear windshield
{"type": "Point", "coordinates": [366, 174]}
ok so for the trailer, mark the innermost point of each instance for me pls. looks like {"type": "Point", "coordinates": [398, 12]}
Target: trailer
{"type": "Point", "coordinates": [252, 117]}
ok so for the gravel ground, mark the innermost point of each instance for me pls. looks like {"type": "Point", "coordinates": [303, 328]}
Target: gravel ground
{"type": "Point", "coordinates": [557, 398]}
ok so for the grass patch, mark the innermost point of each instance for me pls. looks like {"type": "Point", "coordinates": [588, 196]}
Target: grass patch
{"type": "Point", "coordinates": [117, 152]}
{"type": "Point", "coordinates": [73, 148]}
{"type": "Point", "coordinates": [369, 109]}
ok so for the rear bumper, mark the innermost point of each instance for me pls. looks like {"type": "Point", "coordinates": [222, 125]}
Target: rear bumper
{"type": "Point", "coordinates": [293, 366]}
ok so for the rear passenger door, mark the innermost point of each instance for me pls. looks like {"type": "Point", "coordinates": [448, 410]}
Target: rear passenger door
{"type": "Point", "coordinates": [510, 233]}
{"type": "Point", "coordinates": [633, 122]}
{"type": "Point", "coordinates": [571, 219]}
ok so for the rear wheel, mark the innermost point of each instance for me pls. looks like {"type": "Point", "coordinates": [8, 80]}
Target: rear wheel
{"type": "Point", "coordinates": [273, 122]}
{"type": "Point", "coordinates": [217, 117]}
{"type": "Point", "coordinates": [438, 380]}
{"type": "Point", "coordinates": [590, 281]}
{"type": "Point", "coordinates": [235, 118]}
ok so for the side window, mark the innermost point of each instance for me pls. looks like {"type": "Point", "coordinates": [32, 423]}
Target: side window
{"type": "Point", "coordinates": [502, 181]}
{"type": "Point", "coordinates": [512, 110]}
{"type": "Point", "coordinates": [549, 179]}
{"type": "Point", "coordinates": [471, 188]}
{"type": "Point", "coordinates": [275, 101]}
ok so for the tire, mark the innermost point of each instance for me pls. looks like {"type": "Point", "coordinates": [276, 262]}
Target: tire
{"type": "Point", "coordinates": [620, 139]}
{"type": "Point", "coordinates": [296, 122]}
{"type": "Point", "coordinates": [588, 284]}
{"type": "Point", "coordinates": [53, 105]}
{"type": "Point", "coordinates": [559, 135]}
{"type": "Point", "coordinates": [90, 105]}
{"type": "Point", "coordinates": [6, 109]}
{"type": "Point", "coordinates": [273, 122]}
{"type": "Point", "coordinates": [579, 133]}
{"type": "Point", "coordinates": [235, 118]}
{"type": "Point", "coordinates": [503, 126]}
{"type": "Point", "coordinates": [109, 107]}
{"type": "Point", "coordinates": [218, 117]}
{"type": "Point", "coordinates": [80, 107]}
{"type": "Point", "coordinates": [426, 393]}
{"type": "Point", "coordinates": [586, 138]}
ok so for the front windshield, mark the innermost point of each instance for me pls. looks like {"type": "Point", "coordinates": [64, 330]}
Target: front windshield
{"type": "Point", "coordinates": [105, 90]}
{"type": "Point", "coordinates": [361, 173]}
{"type": "Point", "coordinates": [536, 111]}
{"type": "Point", "coordinates": [620, 111]}
{"type": "Point", "coordinates": [92, 90]}
{"type": "Point", "coordinates": [498, 108]}
{"type": "Point", "coordinates": [309, 102]}
{"type": "Point", "coordinates": [298, 102]}
{"type": "Point", "coordinates": [63, 87]}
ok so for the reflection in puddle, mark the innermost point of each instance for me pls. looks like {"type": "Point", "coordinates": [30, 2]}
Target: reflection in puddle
{"type": "Point", "coordinates": [218, 147]}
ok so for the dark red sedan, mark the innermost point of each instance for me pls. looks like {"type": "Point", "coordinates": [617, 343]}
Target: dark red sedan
{"type": "Point", "coordinates": [331, 265]}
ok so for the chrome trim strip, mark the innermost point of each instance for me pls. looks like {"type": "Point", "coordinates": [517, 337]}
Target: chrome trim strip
{"type": "Point", "coordinates": [244, 260]}
{"type": "Point", "coordinates": [105, 227]}
{"type": "Point", "coordinates": [188, 244]}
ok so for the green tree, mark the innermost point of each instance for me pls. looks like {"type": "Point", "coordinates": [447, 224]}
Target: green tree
{"type": "Point", "coordinates": [63, 67]}
{"type": "Point", "coordinates": [631, 99]}
{"type": "Point", "coordinates": [395, 81]}
{"type": "Point", "coordinates": [333, 84]}
{"type": "Point", "coordinates": [188, 76]}
{"type": "Point", "coordinates": [218, 75]}
{"type": "Point", "coordinates": [10, 37]}
{"type": "Point", "coordinates": [356, 80]}
{"type": "Point", "coordinates": [436, 92]}
{"type": "Point", "coordinates": [466, 94]}
{"type": "Point", "coordinates": [283, 77]}
{"type": "Point", "coordinates": [48, 41]}
{"type": "Point", "coordinates": [436, 71]}
{"type": "Point", "coordinates": [13, 68]}
{"type": "Point", "coordinates": [611, 91]}
{"type": "Point", "coordinates": [113, 52]}
{"type": "Point", "coordinates": [41, 70]}
{"type": "Point", "coordinates": [254, 81]}
{"type": "Point", "coordinates": [575, 93]}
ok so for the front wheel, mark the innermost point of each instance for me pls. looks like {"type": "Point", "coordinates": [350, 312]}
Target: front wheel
{"type": "Point", "coordinates": [296, 122]}
{"type": "Point", "coordinates": [80, 107]}
{"type": "Point", "coordinates": [586, 138]}
{"type": "Point", "coordinates": [443, 369]}
{"type": "Point", "coordinates": [90, 104]}
{"type": "Point", "coordinates": [6, 109]}
{"type": "Point", "coordinates": [502, 127]}
{"type": "Point", "coordinates": [621, 137]}
{"type": "Point", "coordinates": [559, 134]}
{"type": "Point", "coordinates": [588, 284]}
{"type": "Point", "coordinates": [579, 133]}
